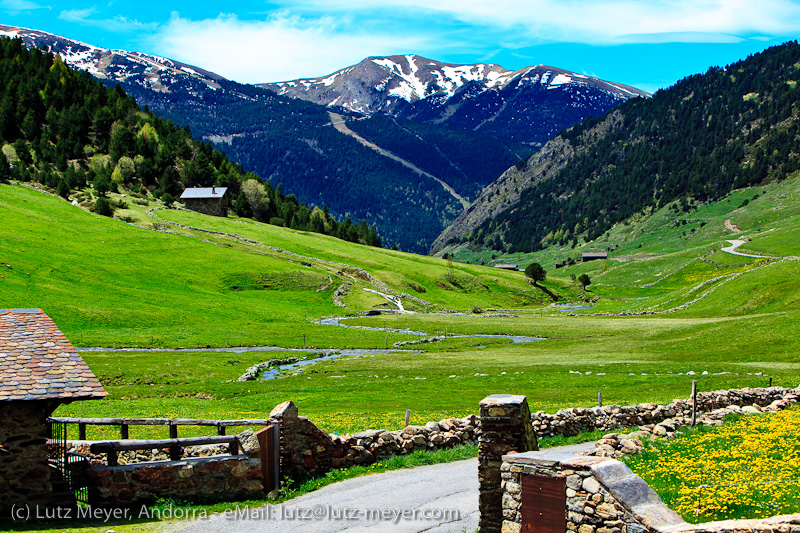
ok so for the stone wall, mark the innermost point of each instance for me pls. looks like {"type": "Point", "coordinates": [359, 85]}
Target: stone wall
{"type": "Point", "coordinates": [217, 207]}
{"type": "Point", "coordinates": [308, 450]}
{"type": "Point", "coordinates": [648, 416]}
{"type": "Point", "coordinates": [602, 495]}
{"type": "Point", "coordinates": [202, 479]}
{"type": "Point", "coordinates": [24, 473]}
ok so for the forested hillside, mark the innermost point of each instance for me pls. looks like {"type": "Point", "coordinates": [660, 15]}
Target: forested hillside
{"type": "Point", "coordinates": [67, 131]}
{"type": "Point", "coordinates": [708, 134]}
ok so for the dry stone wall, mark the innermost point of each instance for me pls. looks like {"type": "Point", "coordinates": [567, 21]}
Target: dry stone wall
{"type": "Point", "coordinates": [662, 419]}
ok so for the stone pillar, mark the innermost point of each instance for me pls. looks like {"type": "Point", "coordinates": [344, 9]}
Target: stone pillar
{"type": "Point", "coordinates": [505, 427]}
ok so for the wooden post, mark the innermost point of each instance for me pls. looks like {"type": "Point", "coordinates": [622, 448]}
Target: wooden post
{"type": "Point", "coordinates": [175, 452]}
{"type": "Point", "coordinates": [304, 340]}
{"type": "Point", "coordinates": [173, 431]}
{"type": "Point", "coordinates": [770, 381]}
{"type": "Point", "coordinates": [123, 431]}
{"type": "Point", "coordinates": [220, 430]}
{"type": "Point", "coordinates": [81, 431]}
{"type": "Point", "coordinates": [112, 457]}
{"type": "Point", "coordinates": [600, 399]}
{"type": "Point", "coordinates": [233, 448]}
{"type": "Point", "coordinates": [694, 402]}
{"type": "Point", "coordinates": [228, 340]}
{"type": "Point", "coordinates": [408, 416]}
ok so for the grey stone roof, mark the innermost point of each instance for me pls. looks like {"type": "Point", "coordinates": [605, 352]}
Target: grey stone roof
{"type": "Point", "coordinates": [37, 362]}
{"type": "Point", "coordinates": [204, 192]}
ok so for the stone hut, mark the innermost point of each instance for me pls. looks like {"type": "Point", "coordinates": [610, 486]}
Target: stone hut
{"type": "Point", "coordinates": [39, 370]}
{"type": "Point", "coordinates": [593, 256]}
{"type": "Point", "coordinates": [206, 200]}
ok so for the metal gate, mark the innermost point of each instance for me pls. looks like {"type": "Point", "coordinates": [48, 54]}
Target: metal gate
{"type": "Point", "coordinates": [544, 504]}
{"type": "Point", "coordinates": [70, 467]}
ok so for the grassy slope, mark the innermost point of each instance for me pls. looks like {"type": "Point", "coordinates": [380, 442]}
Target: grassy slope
{"type": "Point", "coordinates": [185, 297]}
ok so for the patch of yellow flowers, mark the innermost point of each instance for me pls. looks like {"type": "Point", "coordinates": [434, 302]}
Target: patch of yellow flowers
{"type": "Point", "coordinates": [746, 468]}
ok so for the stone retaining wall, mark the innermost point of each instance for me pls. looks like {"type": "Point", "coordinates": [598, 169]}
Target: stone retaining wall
{"type": "Point", "coordinates": [202, 479]}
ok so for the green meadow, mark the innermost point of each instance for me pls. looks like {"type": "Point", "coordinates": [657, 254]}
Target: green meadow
{"type": "Point", "coordinates": [120, 283]}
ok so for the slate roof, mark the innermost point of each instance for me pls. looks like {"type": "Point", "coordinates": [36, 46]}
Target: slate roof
{"type": "Point", "coordinates": [37, 362]}
{"type": "Point", "coordinates": [204, 192]}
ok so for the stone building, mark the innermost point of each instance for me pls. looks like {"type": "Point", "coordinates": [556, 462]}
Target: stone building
{"type": "Point", "coordinates": [593, 256]}
{"type": "Point", "coordinates": [39, 370]}
{"type": "Point", "coordinates": [206, 200]}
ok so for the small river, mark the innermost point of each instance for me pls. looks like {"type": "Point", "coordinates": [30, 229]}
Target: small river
{"type": "Point", "coordinates": [326, 353]}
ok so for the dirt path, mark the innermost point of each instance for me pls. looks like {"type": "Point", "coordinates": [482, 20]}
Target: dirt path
{"type": "Point", "coordinates": [730, 226]}
{"type": "Point", "coordinates": [337, 121]}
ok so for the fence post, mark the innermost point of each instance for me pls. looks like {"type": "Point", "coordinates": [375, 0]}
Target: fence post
{"type": "Point", "coordinates": [112, 456]}
{"type": "Point", "coordinates": [81, 431]}
{"type": "Point", "coordinates": [408, 417]}
{"type": "Point", "coordinates": [233, 447]}
{"type": "Point", "coordinates": [220, 430]}
{"type": "Point", "coordinates": [694, 402]}
{"type": "Point", "coordinates": [173, 431]}
{"type": "Point", "coordinates": [175, 452]}
{"type": "Point", "coordinates": [123, 431]}
{"type": "Point", "coordinates": [600, 399]}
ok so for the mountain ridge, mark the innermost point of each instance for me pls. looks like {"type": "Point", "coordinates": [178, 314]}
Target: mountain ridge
{"type": "Point", "coordinates": [466, 143]}
{"type": "Point", "coordinates": [465, 96]}
{"type": "Point", "coordinates": [706, 135]}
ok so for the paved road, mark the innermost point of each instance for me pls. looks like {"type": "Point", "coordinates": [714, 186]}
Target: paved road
{"type": "Point", "coordinates": [437, 499]}
{"type": "Point", "coordinates": [734, 245]}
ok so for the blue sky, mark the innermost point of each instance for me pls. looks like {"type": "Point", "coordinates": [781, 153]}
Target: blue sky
{"type": "Point", "coordinates": [647, 44]}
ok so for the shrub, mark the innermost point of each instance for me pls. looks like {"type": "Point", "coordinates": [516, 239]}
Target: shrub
{"type": "Point", "coordinates": [103, 207]}
{"type": "Point", "coordinates": [416, 286]}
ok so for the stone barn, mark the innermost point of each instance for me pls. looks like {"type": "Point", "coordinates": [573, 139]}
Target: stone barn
{"type": "Point", "coordinates": [206, 200]}
{"type": "Point", "coordinates": [39, 370]}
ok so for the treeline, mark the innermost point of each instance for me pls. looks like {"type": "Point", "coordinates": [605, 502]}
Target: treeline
{"type": "Point", "coordinates": [705, 136]}
{"type": "Point", "coordinates": [67, 131]}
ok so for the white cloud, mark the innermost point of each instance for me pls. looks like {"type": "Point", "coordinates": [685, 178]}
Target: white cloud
{"type": "Point", "coordinates": [20, 6]}
{"type": "Point", "coordinates": [118, 24]}
{"type": "Point", "coordinates": [280, 48]}
{"type": "Point", "coordinates": [604, 22]}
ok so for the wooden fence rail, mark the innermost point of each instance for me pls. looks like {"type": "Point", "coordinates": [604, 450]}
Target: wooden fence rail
{"type": "Point", "coordinates": [173, 424]}
{"type": "Point", "coordinates": [113, 447]}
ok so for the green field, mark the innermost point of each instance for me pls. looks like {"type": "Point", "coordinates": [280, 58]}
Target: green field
{"type": "Point", "coordinates": [111, 284]}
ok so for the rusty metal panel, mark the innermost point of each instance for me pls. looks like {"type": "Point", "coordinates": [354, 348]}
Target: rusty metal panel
{"type": "Point", "coordinates": [267, 439]}
{"type": "Point", "coordinates": [544, 504]}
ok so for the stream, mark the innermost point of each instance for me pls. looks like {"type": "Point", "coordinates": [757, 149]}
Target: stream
{"type": "Point", "coordinates": [327, 354]}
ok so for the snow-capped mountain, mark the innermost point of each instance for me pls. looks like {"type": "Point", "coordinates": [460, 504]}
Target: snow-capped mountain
{"type": "Point", "coordinates": [382, 83]}
{"type": "Point", "coordinates": [152, 73]}
{"type": "Point", "coordinates": [529, 105]}
{"type": "Point", "coordinates": [466, 125]}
